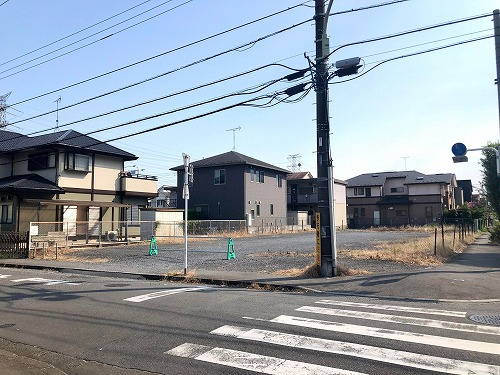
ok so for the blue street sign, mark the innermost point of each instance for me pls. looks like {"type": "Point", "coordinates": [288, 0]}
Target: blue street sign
{"type": "Point", "coordinates": [459, 149]}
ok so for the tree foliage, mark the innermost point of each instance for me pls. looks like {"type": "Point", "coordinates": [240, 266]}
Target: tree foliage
{"type": "Point", "coordinates": [491, 182]}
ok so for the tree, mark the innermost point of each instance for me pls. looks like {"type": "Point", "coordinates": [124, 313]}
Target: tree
{"type": "Point", "coordinates": [491, 182]}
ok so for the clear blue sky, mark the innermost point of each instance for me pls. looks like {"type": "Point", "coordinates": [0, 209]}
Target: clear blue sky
{"type": "Point", "coordinates": [415, 107]}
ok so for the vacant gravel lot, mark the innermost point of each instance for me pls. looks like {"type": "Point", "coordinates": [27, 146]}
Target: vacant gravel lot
{"type": "Point", "coordinates": [260, 253]}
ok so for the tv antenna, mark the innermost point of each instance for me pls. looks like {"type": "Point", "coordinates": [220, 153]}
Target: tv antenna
{"type": "Point", "coordinates": [3, 110]}
{"type": "Point", "coordinates": [57, 101]}
{"type": "Point", "coordinates": [405, 157]}
{"type": "Point", "coordinates": [234, 135]}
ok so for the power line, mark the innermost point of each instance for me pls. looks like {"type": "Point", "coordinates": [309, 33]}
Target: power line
{"type": "Point", "coordinates": [6, 1]}
{"type": "Point", "coordinates": [414, 54]}
{"type": "Point", "coordinates": [88, 44]}
{"type": "Point", "coordinates": [166, 73]}
{"type": "Point", "coordinates": [161, 54]}
{"type": "Point", "coordinates": [234, 105]}
{"type": "Point", "coordinates": [425, 28]}
{"type": "Point", "coordinates": [73, 34]}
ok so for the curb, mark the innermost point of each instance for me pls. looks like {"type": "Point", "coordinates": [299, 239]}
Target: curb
{"type": "Point", "coordinates": [271, 286]}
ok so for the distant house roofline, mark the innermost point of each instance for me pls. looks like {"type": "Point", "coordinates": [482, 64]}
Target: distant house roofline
{"type": "Point", "coordinates": [231, 158]}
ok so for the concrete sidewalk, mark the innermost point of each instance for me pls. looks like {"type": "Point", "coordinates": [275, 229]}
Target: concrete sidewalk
{"type": "Point", "coordinates": [471, 276]}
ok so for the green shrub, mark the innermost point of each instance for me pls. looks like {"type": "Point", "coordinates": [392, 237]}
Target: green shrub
{"type": "Point", "coordinates": [495, 233]}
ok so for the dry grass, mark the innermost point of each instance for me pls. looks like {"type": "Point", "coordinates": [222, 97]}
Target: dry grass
{"type": "Point", "coordinates": [312, 271]}
{"type": "Point", "coordinates": [67, 255]}
{"type": "Point", "coordinates": [418, 251]}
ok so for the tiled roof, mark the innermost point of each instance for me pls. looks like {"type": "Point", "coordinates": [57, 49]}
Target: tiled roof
{"type": "Point", "coordinates": [410, 178]}
{"type": "Point", "coordinates": [11, 142]}
{"type": "Point", "coordinates": [299, 176]}
{"type": "Point", "coordinates": [231, 158]}
{"type": "Point", "coordinates": [29, 182]}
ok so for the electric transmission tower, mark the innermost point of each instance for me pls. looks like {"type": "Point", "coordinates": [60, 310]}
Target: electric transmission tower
{"type": "Point", "coordinates": [3, 110]}
{"type": "Point", "coordinates": [293, 159]}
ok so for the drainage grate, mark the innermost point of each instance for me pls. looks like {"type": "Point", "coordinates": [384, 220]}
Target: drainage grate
{"type": "Point", "coordinates": [493, 320]}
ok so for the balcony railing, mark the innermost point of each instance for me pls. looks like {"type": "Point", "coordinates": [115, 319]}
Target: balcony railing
{"type": "Point", "coordinates": [138, 183]}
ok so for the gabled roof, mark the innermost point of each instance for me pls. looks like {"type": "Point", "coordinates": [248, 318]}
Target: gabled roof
{"type": "Point", "coordinates": [230, 158]}
{"type": "Point", "coordinates": [299, 176]}
{"type": "Point", "coordinates": [29, 182]}
{"type": "Point", "coordinates": [12, 142]}
{"type": "Point", "coordinates": [410, 178]}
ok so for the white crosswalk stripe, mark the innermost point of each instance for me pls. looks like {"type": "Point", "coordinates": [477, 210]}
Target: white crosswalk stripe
{"type": "Point", "coordinates": [253, 362]}
{"type": "Point", "coordinates": [459, 314]}
{"type": "Point", "coordinates": [403, 320]}
{"type": "Point", "coordinates": [441, 337]}
{"type": "Point", "coordinates": [397, 357]}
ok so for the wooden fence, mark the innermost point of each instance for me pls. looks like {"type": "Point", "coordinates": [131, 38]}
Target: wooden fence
{"type": "Point", "coordinates": [14, 244]}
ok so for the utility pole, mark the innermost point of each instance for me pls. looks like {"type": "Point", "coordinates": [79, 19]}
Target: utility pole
{"type": "Point", "coordinates": [496, 30]}
{"type": "Point", "coordinates": [324, 237]}
{"type": "Point", "coordinates": [57, 101]}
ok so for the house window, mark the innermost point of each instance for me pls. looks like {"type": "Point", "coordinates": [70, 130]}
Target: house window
{"type": "Point", "coordinates": [428, 212]}
{"type": "Point", "coordinates": [363, 211]}
{"type": "Point", "coordinates": [279, 180]}
{"type": "Point", "coordinates": [252, 214]}
{"type": "Point", "coordinates": [76, 162]}
{"type": "Point", "coordinates": [271, 209]}
{"type": "Point", "coordinates": [219, 211]}
{"type": "Point", "coordinates": [220, 177]}
{"type": "Point", "coordinates": [6, 214]}
{"type": "Point", "coordinates": [257, 208]}
{"type": "Point", "coordinates": [356, 212]}
{"type": "Point", "coordinates": [41, 161]}
{"type": "Point", "coordinates": [260, 177]}
{"type": "Point", "coordinates": [359, 191]}
{"type": "Point", "coordinates": [368, 192]}
{"type": "Point", "coordinates": [399, 189]}
{"type": "Point", "coordinates": [252, 175]}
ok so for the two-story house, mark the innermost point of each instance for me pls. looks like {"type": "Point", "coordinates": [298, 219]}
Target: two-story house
{"type": "Point", "coordinates": [302, 195]}
{"type": "Point", "coordinates": [233, 186]}
{"type": "Point", "coordinates": [66, 176]}
{"type": "Point", "coordinates": [398, 198]}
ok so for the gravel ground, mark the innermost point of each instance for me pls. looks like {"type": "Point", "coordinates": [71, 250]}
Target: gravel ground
{"type": "Point", "coordinates": [260, 253]}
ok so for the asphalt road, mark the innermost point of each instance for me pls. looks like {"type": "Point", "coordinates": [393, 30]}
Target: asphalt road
{"type": "Point", "coordinates": [87, 325]}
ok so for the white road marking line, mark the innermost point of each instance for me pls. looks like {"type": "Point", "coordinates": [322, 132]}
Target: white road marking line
{"type": "Point", "coordinates": [4, 276]}
{"type": "Point", "coordinates": [464, 327]}
{"type": "Point", "coordinates": [162, 293]}
{"type": "Point", "coordinates": [418, 338]}
{"type": "Point", "coordinates": [253, 362]}
{"type": "Point", "coordinates": [397, 357]}
{"type": "Point", "coordinates": [417, 310]}
{"type": "Point", "coordinates": [43, 281]}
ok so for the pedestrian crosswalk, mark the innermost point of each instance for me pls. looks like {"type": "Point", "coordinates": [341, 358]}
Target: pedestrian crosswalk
{"type": "Point", "coordinates": [325, 318]}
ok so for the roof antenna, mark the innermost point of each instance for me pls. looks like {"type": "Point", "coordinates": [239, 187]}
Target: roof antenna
{"type": "Point", "coordinates": [57, 101]}
{"type": "Point", "coordinates": [234, 136]}
{"type": "Point", "coordinates": [405, 157]}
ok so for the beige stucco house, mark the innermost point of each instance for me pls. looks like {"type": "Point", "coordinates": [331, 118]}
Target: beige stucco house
{"type": "Point", "coordinates": [65, 177]}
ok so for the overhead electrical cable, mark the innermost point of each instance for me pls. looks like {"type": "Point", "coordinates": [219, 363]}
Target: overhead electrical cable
{"type": "Point", "coordinates": [6, 1]}
{"type": "Point", "coordinates": [411, 55]}
{"type": "Point", "coordinates": [88, 44]}
{"type": "Point", "coordinates": [420, 29]}
{"type": "Point", "coordinates": [165, 73]}
{"type": "Point", "coordinates": [73, 34]}
{"type": "Point", "coordinates": [161, 98]}
{"type": "Point", "coordinates": [196, 42]}
{"type": "Point", "coordinates": [234, 105]}
{"type": "Point", "coordinates": [161, 54]}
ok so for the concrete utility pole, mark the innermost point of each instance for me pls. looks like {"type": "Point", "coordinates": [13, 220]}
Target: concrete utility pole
{"type": "Point", "coordinates": [323, 141]}
{"type": "Point", "coordinates": [496, 30]}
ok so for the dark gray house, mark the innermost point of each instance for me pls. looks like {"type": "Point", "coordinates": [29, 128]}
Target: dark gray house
{"type": "Point", "coordinates": [399, 198]}
{"type": "Point", "coordinates": [232, 186]}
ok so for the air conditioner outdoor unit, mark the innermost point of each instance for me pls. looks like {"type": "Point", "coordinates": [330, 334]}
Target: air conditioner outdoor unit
{"type": "Point", "coordinates": [111, 235]}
